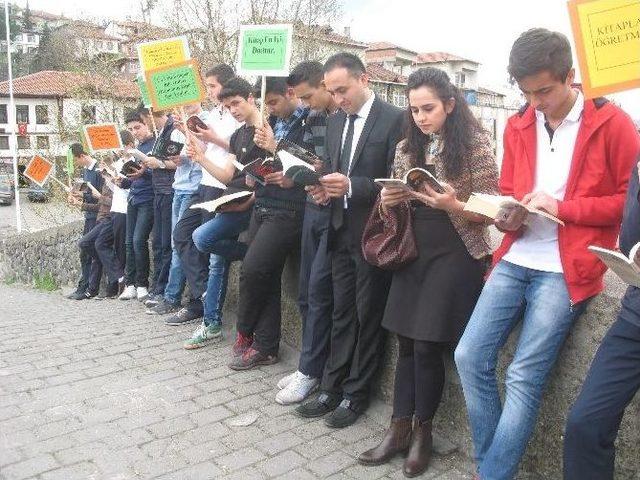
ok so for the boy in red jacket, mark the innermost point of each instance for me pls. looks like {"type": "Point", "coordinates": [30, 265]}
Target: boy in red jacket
{"type": "Point", "coordinates": [571, 157]}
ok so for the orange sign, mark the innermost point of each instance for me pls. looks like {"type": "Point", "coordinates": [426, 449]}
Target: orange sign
{"type": "Point", "coordinates": [103, 136]}
{"type": "Point", "coordinates": [38, 170]}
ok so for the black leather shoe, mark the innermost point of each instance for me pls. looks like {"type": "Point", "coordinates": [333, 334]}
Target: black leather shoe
{"type": "Point", "coordinates": [322, 404]}
{"type": "Point", "coordinates": [345, 414]}
{"type": "Point", "coordinates": [77, 296]}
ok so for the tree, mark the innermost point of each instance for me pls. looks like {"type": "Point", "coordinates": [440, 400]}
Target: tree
{"type": "Point", "coordinates": [54, 53]}
{"type": "Point", "coordinates": [27, 21]}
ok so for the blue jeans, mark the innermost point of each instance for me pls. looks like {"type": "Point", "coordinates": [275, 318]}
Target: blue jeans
{"type": "Point", "coordinates": [512, 293]}
{"type": "Point", "coordinates": [219, 238]}
{"type": "Point", "coordinates": [139, 225]}
{"type": "Point", "coordinates": [175, 283]}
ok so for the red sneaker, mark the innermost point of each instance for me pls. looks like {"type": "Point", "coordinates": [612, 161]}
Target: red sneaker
{"type": "Point", "coordinates": [242, 344]}
{"type": "Point", "coordinates": [252, 358]}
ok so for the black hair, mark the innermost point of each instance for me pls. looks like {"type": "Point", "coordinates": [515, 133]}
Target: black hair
{"type": "Point", "coordinates": [351, 62]}
{"type": "Point", "coordinates": [307, 71]}
{"type": "Point", "coordinates": [127, 137]}
{"type": "Point", "coordinates": [135, 116]}
{"type": "Point", "coordinates": [222, 72]}
{"type": "Point", "coordinates": [77, 150]}
{"type": "Point", "coordinates": [236, 86]}
{"type": "Point", "coordinates": [275, 85]}
{"type": "Point", "coordinates": [539, 50]}
{"type": "Point", "coordinates": [459, 128]}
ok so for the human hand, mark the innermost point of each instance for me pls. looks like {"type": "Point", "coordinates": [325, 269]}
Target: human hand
{"type": "Point", "coordinates": [279, 179]}
{"type": "Point", "coordinates": [336, 184]}
{"type": "Point", "coordinates": [318, 193]}
{"type": "Point", "coordinates": [265, 138]}
{"type": "Point", "coordinates": [541, 201]}
{"type": "Point", "coordinates": [510, 217]}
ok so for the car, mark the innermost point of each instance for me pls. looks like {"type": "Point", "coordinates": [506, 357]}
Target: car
{"type": "Point", "coordinates": [7, 193]}
{"type": "Point", "coordinates": [36, 193]}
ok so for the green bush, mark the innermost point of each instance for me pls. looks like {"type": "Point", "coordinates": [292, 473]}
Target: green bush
{"type": "Point", "coordinates": [45, 282]}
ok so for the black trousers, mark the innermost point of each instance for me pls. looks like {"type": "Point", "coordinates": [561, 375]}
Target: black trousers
{"type": "Point", "coordinates": [315, 291]}
{"type": "Point", "coordinates": [111, 246]}
{"type": "Point", "coordinates": [272, 235]}
{"type": "Point", "coordinates": [195, 264]}
{"type": "Point", "coordinates": [90, 266]}
{"type": "Point", "coordinates": [162, 250]}
{"type": "Point", "coordinates": [594, 420]}
{"type": "Point", "coordinates": [357, 341]}
{"type": "Point", "coordinates": [419, 379]}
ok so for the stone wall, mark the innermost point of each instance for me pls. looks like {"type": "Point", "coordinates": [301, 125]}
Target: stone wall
{"type": "Point", "coordinates": [55, 251]}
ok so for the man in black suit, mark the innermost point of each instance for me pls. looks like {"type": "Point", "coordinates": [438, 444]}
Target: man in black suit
{"type": "Point", "coordinates": [360, 146]}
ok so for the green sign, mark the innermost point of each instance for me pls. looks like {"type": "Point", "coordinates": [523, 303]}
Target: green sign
{"type": "Point", "coordinates": [265, 50]}
{"type": "Point", "coordinates": [144, 91]}
{"type": "Point", "coordinates": [175, 86]}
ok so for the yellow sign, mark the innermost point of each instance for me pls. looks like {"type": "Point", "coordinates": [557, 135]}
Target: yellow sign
{"type": "Point", "coordinates": [607, 37]}
{"type": "Point", "coordinates": [163, 53]}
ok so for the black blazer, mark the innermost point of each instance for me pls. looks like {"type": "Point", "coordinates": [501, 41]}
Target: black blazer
{"type": "Point", "coordinates": [372, 158]}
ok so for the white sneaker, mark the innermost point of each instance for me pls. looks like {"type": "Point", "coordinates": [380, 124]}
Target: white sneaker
{"type": "Point", "coordinates": [299, 389]}
{"type": "Point", "coordinates": [129, 293]}
{"type": "Point", "coordinates": [142, 293]}
{"type": "Point", "coordinates": [284, 381]}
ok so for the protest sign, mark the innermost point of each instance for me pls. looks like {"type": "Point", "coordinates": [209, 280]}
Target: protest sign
{"type": "Point", "coordinates": [607, 37]}
{"type": "Point", "coordinates": [176, 85]}
{"type": "Point", "coordinates": [265, 50]}
{"type": "Point", "coordinates": [38, 170]}
{"type": "Point", "coordinates": [102, 136]}
{"type": "Point", "coordinates": [144, 91]}
{"type": "Point", "coordinates": [162, 53]}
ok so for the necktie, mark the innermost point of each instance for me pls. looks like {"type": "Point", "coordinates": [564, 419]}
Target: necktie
{"type": "Point", "coordinates": [337, 207]}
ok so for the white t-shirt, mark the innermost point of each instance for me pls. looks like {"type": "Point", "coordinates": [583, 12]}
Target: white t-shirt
{"type": "Point", "coordinates": [224, 125]}
{"type": "Point", "coordinates": [119, 200]}
{"type": "Point", "coordinates": [538, 247]}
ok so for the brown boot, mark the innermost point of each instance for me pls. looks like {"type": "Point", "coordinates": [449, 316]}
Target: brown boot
{"type": "Point", "coordinates": [419, 455]}
{"type": "Point", "coordinates": [396, 440]}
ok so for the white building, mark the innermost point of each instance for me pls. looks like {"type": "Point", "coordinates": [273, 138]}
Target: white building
{"type": "Point", "coordinates": [52, 106]}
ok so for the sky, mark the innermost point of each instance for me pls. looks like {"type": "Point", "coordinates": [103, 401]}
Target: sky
{"type": "Point", "coordinates": [480, 30]}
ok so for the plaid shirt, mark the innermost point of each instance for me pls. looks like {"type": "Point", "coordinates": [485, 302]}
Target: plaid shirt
{"type": "Point", "coordinates": [282, 126]}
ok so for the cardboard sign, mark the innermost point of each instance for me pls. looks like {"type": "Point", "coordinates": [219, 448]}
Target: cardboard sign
{"type": "Point", "coordinates": [607, 37]}
{"type": "Point", "coordinates": [103, 137]}
{"type": "Point", "coordinates": [162, 53]}
{"type": "Point", "coordinates": [144, 91]}
{"type": "Point", "coordinates": [175, 85]}
{"type": "Point", "coordinates": [265, 50]}
{"type": "Point", "coordinates": [38, 170]}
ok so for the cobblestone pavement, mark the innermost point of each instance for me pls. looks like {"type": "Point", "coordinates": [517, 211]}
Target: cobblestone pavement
{"type": "Point", "coordinates": [98, 390]}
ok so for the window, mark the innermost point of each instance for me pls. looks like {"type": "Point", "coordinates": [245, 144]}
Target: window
{"type": "Point", "coordinates": [399, 99]}
{"type": "Point", "coordinates": [42, 114]}
{"type": "Point", "coordinates": [4, 142]}
{"type": "Point", "coordinates": [88, 114]}
{"type": "Point", "coordinates": [3, 114]}
{"type": "Point", "coordinates": [42, 142]}
{"type": "Point", "coordinates": [22, 113]}
{"type": "Point", "coordinates": [24, 143]}
{"type": "Point", "coordinates": [460, 79]}
{"type": "Point", "coordinates": [31, 38]}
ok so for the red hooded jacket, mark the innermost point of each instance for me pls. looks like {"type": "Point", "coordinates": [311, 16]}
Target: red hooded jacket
{"type": "Point", "coordinates": [606, 150]}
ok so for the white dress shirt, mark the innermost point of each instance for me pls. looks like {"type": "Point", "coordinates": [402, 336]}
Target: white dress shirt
{"type": "Point", "coordinates": [538, 247]}
{"type": "Point", "coordinates": [223, 123]}
{"type": "Point", "coordinates": [358, 126]}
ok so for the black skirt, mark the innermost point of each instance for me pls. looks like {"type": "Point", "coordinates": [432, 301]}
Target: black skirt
{"type": "Point", "coordinates": [432, 298]}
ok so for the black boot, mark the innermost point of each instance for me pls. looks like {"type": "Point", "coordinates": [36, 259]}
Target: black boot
{"type": "Point", "coordinates": [395, 441]}
{"type": "Point", "coordinates": [419, 455]}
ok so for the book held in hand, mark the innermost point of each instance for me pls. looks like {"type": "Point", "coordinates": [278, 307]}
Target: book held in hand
{"type": "Point", "coordinates": [489, 206]}
{"type": "Point", "coordinates": [624, 267]}
{"type": "Point", "coordinates": [259, 168]}
{"type": "Point", "coordinates": [298, 163]}
{"type": "Point", "coordinates": [131, 166]}
{"type": "Point", "coordinates": [164, 148]}
{"type": "Point", "coordinates": [213, 205]}
{"type": "Point", "coordinates": [412, 181]}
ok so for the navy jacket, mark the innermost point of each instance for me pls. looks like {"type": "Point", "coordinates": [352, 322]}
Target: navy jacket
{"type": "Point", "coordinates": [629, 236]}
{"type": "Point", "coordinates": [92, 176]}
{"type": "Point", "coordinates": [141, 189]}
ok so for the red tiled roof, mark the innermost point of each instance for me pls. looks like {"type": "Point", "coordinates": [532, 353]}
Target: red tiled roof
{"type": "Point", "coordinates": [378, 73]}
{"type": "Point", "coordinates": [50, 83]}
{"type": "Point", "coordinates": [382, 46]}
{"type": "Point", "coordinates": [436, 57]}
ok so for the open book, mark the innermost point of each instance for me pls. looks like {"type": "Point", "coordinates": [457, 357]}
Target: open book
{"type": "Point", "coordinates": [165, 147]}
{"type": "Point", "coordinates": [298, 163]}
{"type": "Point", "coordinates": [624, 267]}
{"type": "Point", "coordinates": [412, 181]}
{"type": "Point", "coordinates": [489, 206]}
{"type": "Point", "coordinates": [258, 169]}
{"type": "Point", "coordinates": [213, 205]}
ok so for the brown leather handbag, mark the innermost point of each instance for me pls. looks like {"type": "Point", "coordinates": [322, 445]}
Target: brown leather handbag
{"type": "Point", "coordinates": [388, 240]}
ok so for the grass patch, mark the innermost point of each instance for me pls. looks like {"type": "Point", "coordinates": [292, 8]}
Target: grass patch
{"type": "Point", "coordinates": [45, 282]}
{"type": "Point", "coordinates": [10, 280]}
